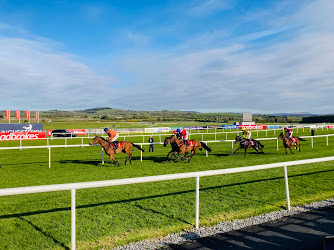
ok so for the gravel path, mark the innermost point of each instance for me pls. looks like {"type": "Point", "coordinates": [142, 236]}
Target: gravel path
{"type": "Point", "coordinates": [223, 227]}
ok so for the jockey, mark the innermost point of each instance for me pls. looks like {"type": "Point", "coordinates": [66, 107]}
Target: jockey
{"type": "Point", "coordinates": [288, 133]}
{"type": "Point", "coordinates": [184, 136]}
{"type": "Point", "coordinates": [246, 134]}
{"type": "Point", "coordinates": [113, 135]}
{"type": "Point", "coordinates": [177, 133]}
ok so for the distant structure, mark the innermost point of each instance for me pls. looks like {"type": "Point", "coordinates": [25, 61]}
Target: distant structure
{"type": "Point", "coordinates": [247, 117]}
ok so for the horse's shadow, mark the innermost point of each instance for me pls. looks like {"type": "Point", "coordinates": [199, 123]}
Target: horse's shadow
{"type": "Point", "coordinates": [88, 162]}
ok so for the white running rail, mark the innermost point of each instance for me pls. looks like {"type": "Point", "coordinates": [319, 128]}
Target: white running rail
{"type": "Point", "coordinates": [108, 183]}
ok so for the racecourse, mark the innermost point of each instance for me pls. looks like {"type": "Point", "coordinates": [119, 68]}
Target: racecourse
{"type": "Point", "coordinates": [113, 216]}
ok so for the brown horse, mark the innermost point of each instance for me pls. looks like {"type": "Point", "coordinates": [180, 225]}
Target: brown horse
{"type": "Point", "coordinates": [125, 147]}
{"type": "Point", "coordinates": [179, 147]}
{"type": "Point", "coordinates": [287, 143]}
{"type": "Point", "coordinates": [244, 143]}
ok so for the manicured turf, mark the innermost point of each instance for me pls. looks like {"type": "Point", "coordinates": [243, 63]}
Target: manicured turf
{"type": "Point", "coordinates": [112, 216]}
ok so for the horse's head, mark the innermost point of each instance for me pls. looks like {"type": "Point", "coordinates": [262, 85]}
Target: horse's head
{"type": "Point", "coordinates": [237, 139]}
{"type": "Point", "coordinates": [96, 140]}
{"type": "Point", "coordinates": [166, 141]}
{"type": "Point", "coordinates": [281, 136]}
{"type": "Point", "coordinates": [169, 140]}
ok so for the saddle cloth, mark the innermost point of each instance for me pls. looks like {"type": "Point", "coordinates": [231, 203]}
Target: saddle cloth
{"type": "Point", "coordinates": [118, 144]}
{"type": "Point", "coordinates": [191, 143]}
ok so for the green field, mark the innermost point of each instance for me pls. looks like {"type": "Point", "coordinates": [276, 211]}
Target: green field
{"type": "Point", "coordinates": [107, 217]}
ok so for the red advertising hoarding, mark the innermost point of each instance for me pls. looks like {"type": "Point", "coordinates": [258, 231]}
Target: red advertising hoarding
{"type": "Point", "coordinates": [28, 114]}
{"type": "Point", "coordinates": [36, 114]}
{"type": "Point", "coordinates": [330, 126]}
{"type": "Point", "coordinates": [9, 136]}
{"type": "Point", "coordinates": [258, 126]}
{"type": "Point", "coordinates": [7, 114]}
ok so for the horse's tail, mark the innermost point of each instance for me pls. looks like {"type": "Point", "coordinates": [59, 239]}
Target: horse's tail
{"type": "Point", "coordinates": [301, 139]}
{"type": "Point", "coordinates": [259, 144]}
{"type": "Point", "coordinates": [206, 147]}
{"type": "Point", "coordinates": [137, 146]}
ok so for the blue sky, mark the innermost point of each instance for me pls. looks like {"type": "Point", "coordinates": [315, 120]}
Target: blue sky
{"type": "Point", "coordinates": [210, 56]}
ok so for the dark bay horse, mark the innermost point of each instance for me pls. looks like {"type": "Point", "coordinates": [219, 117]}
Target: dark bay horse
{"type": "Point", "coordinates": [125, 147]}
{"type": "Point", "coordinates": [287, 143]}
{"type": "Point", "coordinates": [244, 143]}
{"type": "Point", "coordinates": [179, 147]}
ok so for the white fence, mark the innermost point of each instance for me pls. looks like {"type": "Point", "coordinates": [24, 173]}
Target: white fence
{"type": "Point", "coordinates": [108, 183]}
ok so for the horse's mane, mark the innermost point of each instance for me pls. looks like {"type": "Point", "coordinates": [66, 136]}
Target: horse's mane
{"type": "Point", "coordinates": [103, 139]}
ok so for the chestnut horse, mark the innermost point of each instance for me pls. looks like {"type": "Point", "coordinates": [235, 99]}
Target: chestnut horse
{"type": "Point", "coordinates": [287, 143]}
{"type": "Point", "coordinates": [179, 147]}
{"type": "Point", "coordinates": [243, 143]}
{"type": "Point", "coordinates": [126, 147]}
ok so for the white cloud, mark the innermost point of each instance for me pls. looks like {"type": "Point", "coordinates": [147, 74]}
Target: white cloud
{"type": "Point", "coordinates": [32, 74]}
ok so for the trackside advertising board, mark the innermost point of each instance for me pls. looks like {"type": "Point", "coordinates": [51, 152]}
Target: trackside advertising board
{"type": "Point", "coordinates": [21, 127]}
{"type": "Point", "coordinates": [156, 130]}
{"type": "Point", "coordinates": [9, 136]}
{"type": "Point", "coordinates": [253, 126]}
{"type": "Point", "coordinates": [230, 126]}
{"type": "Point", "coordinates": [77, 131]}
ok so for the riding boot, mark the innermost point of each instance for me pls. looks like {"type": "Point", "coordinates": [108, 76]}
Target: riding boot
{"type": "Point", "coordinates": [186, 142]}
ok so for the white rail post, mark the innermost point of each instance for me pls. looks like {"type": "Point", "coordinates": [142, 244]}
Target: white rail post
{"type": "Point", "coordinates": [257, 133]}
{"type": "Point", "coordinates": [206, 151]}
{"type": "Point", "coordinates": [49, 157]}
{"type": "Point", "coordinates": [202, 137]}
{"type": "Point", "coordinates": [73, 219]}
{"type": "Point", "coordinates": [215, 136]}
{"type": "Point", "coordinates": [102, 156]}
{"type": "Point", "coordinates": [82, 142]}
{"type": "Point", "coordinates": [160, 138]}
{"type": "Point", "coordinates": [141, 155]}
{"type": "Point", "coordinates": [277, 144]}
{"type": "Point", "coordinates": [65, 142]}
{"type": "Point", "coordinates": [21, 144]}
{"type": "Point", "coordinates": [287, 188]}
{"type": "Point", "coordinates": [312, 141]}
{"type": "Point", "coordinates": [232, 147]}
{"type": "Point", "coordinates": [197, 204]}
{"type": "Point", "coordinates": [327, 139]}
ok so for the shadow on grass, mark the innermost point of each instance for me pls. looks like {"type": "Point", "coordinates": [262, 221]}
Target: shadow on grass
{"type": "Point", "coordinates": [45, 234]}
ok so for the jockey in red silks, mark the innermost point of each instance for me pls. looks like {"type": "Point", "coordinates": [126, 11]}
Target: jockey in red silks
{"type": "Point", "coordinates": [184, 136]}
{"type": "Point", "coordinates": [288, 133]}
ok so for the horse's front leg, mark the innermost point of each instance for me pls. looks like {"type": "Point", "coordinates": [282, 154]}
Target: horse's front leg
{"type": "Point", "coordinates": [245, 152]}
{"type": "Point", "coordinates": [191, 156]}
{"type": "Point", "coordinates": [169, 154]}
{"type": "Point", "coordinates": [236, 150]}
{"type": "Point", "coordinates": [113, 159]}
{"type": "Point", "coordinates": [291, 150]}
